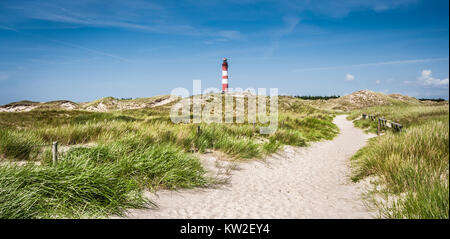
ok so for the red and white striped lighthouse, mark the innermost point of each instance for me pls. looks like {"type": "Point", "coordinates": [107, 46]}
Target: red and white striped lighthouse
{"type": "Point", "coordinates": [224, 75]}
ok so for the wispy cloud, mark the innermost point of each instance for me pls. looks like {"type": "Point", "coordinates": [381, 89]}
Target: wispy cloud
{"type": "Point", "coordinates": [85, 12]}
{"type": "Point", "coordinates": [349, 77]}
{"type": "Point", "coordinates": [371, 64]}
{"type": "Point", "coordinates": [290, 23]}
{"type": "Point", "coordinates": [162, 17]}
{"type": "Point", "coordinates": [338, 9]}
{"type": "Point", "coordinates": [223, 36]}
{"type": "Point", "coordinates": [135, 15]}
{"type": "Point", "coordinates": [97, 52]}
{"type": "Point", "coordinates": [63, 60]}
{"type": "Point", "coordinates": [230, 34]}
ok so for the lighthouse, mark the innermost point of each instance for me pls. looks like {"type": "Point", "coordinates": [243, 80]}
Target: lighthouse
{"type": "Point", "coordinates": [224, 75]}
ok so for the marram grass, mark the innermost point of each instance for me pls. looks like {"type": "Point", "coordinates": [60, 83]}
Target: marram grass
{"type": "Point", "coordinates": [95, 181]}
{"type": "Point", "coordinates": [413, 167]}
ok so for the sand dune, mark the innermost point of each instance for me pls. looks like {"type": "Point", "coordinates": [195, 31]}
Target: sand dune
{"type": "Point", "coordinates": [310, 182]}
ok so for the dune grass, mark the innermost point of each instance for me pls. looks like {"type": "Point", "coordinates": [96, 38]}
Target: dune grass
{"type": "Point", "coordinates": [75, 189]}
{"type": "Point", "coordinates": [16, 144]}
{"type": "Point", "coordinates": [412, 166]}
{"type": "Point", "coordinates": [113, 157]}
{"type": "Point", "coordinates": [298, 124]}
{"type": "Point", "coordinates": [96, 181]}
{"type": "Point", "coordinates": [404, 114]}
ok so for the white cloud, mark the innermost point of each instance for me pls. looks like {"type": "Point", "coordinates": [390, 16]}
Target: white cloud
{"type": "Point", "coordinates": [378, 81]}
{"type": "Point", "coordinates": [349, 77]}
{"type": "Point", "coordinates": [3, 76]}
{"type": "Point", "coordinates": [426, 79]}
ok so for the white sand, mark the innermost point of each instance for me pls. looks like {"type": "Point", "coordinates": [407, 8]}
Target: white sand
{"type": "Point", "coordinates": [310, 182]}
{"type": "Point", "coordinates": [164, 102]}
{"type": "Point", "coordinates": [20, 108]}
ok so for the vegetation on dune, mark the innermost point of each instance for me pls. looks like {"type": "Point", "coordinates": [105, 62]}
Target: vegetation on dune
{"type": "Point", "coordinates": [128, 151]}
{"type": "Point", "coordinates": [96, 181]}
{"type": "Point", "coordinates": [15, 144]}
{"type": "Point", "coordinates": [21, 103]}
{"type": "Point", "coordinates": [363, 99]}
{"type": "Point", "coordinates": [100, 105]}
{"type": "Point", "coordinates": [134, 147]}
{"type": "Point", "coordinates": [432, 99]}
{"type": "Point", "coordinates": [151, 165]}
{"type": "Point", "coordinates": [311, 97]}
{"type": "Point", "coordinates": [412, 166]}
{"type": "Point", "coordinates": [405, 114]}
{"type": "Point", "coordinates": [73, 188]}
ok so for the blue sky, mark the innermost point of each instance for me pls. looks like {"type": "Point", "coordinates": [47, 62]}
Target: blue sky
{"type": "Point", "coordinates": [83, 50]}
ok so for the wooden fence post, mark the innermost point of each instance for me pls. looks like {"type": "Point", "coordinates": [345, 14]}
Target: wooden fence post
{"type": "Point", "coordinates": [378, 126]}
{"type": "Point", "coordinates": [55, 152]}
{"type": "Point", "coordinates": [198, 130]}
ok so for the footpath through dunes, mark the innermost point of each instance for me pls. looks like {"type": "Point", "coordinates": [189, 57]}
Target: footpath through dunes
{"type": "Point", "coordinates": [311, 182]}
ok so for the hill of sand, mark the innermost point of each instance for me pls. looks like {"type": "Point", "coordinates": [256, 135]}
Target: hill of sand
{"type": "Point", "coordinates": [101, 105]}
{"type": "Point", "coordinates": [111, 104]}
{"type": "Point", "coordinates": [361, 99]}
{"type": "Point", "coordinates": [355, 100]}
{"type": "Point", "coordinates": [20, 106]}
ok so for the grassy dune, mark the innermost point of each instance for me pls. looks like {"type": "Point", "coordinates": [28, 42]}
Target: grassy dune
{"type": "Point", "coordinates": [412, 167]}
{"type": "Point", "coordinates": [405, 114]}
{"type": "Point", "coordinates": [113, 156]}
{"type": "Point", "coordinates": [110, 158]}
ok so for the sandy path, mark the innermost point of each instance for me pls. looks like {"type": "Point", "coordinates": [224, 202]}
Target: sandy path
{"type": "Point", "coordinates": [310, 182]}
